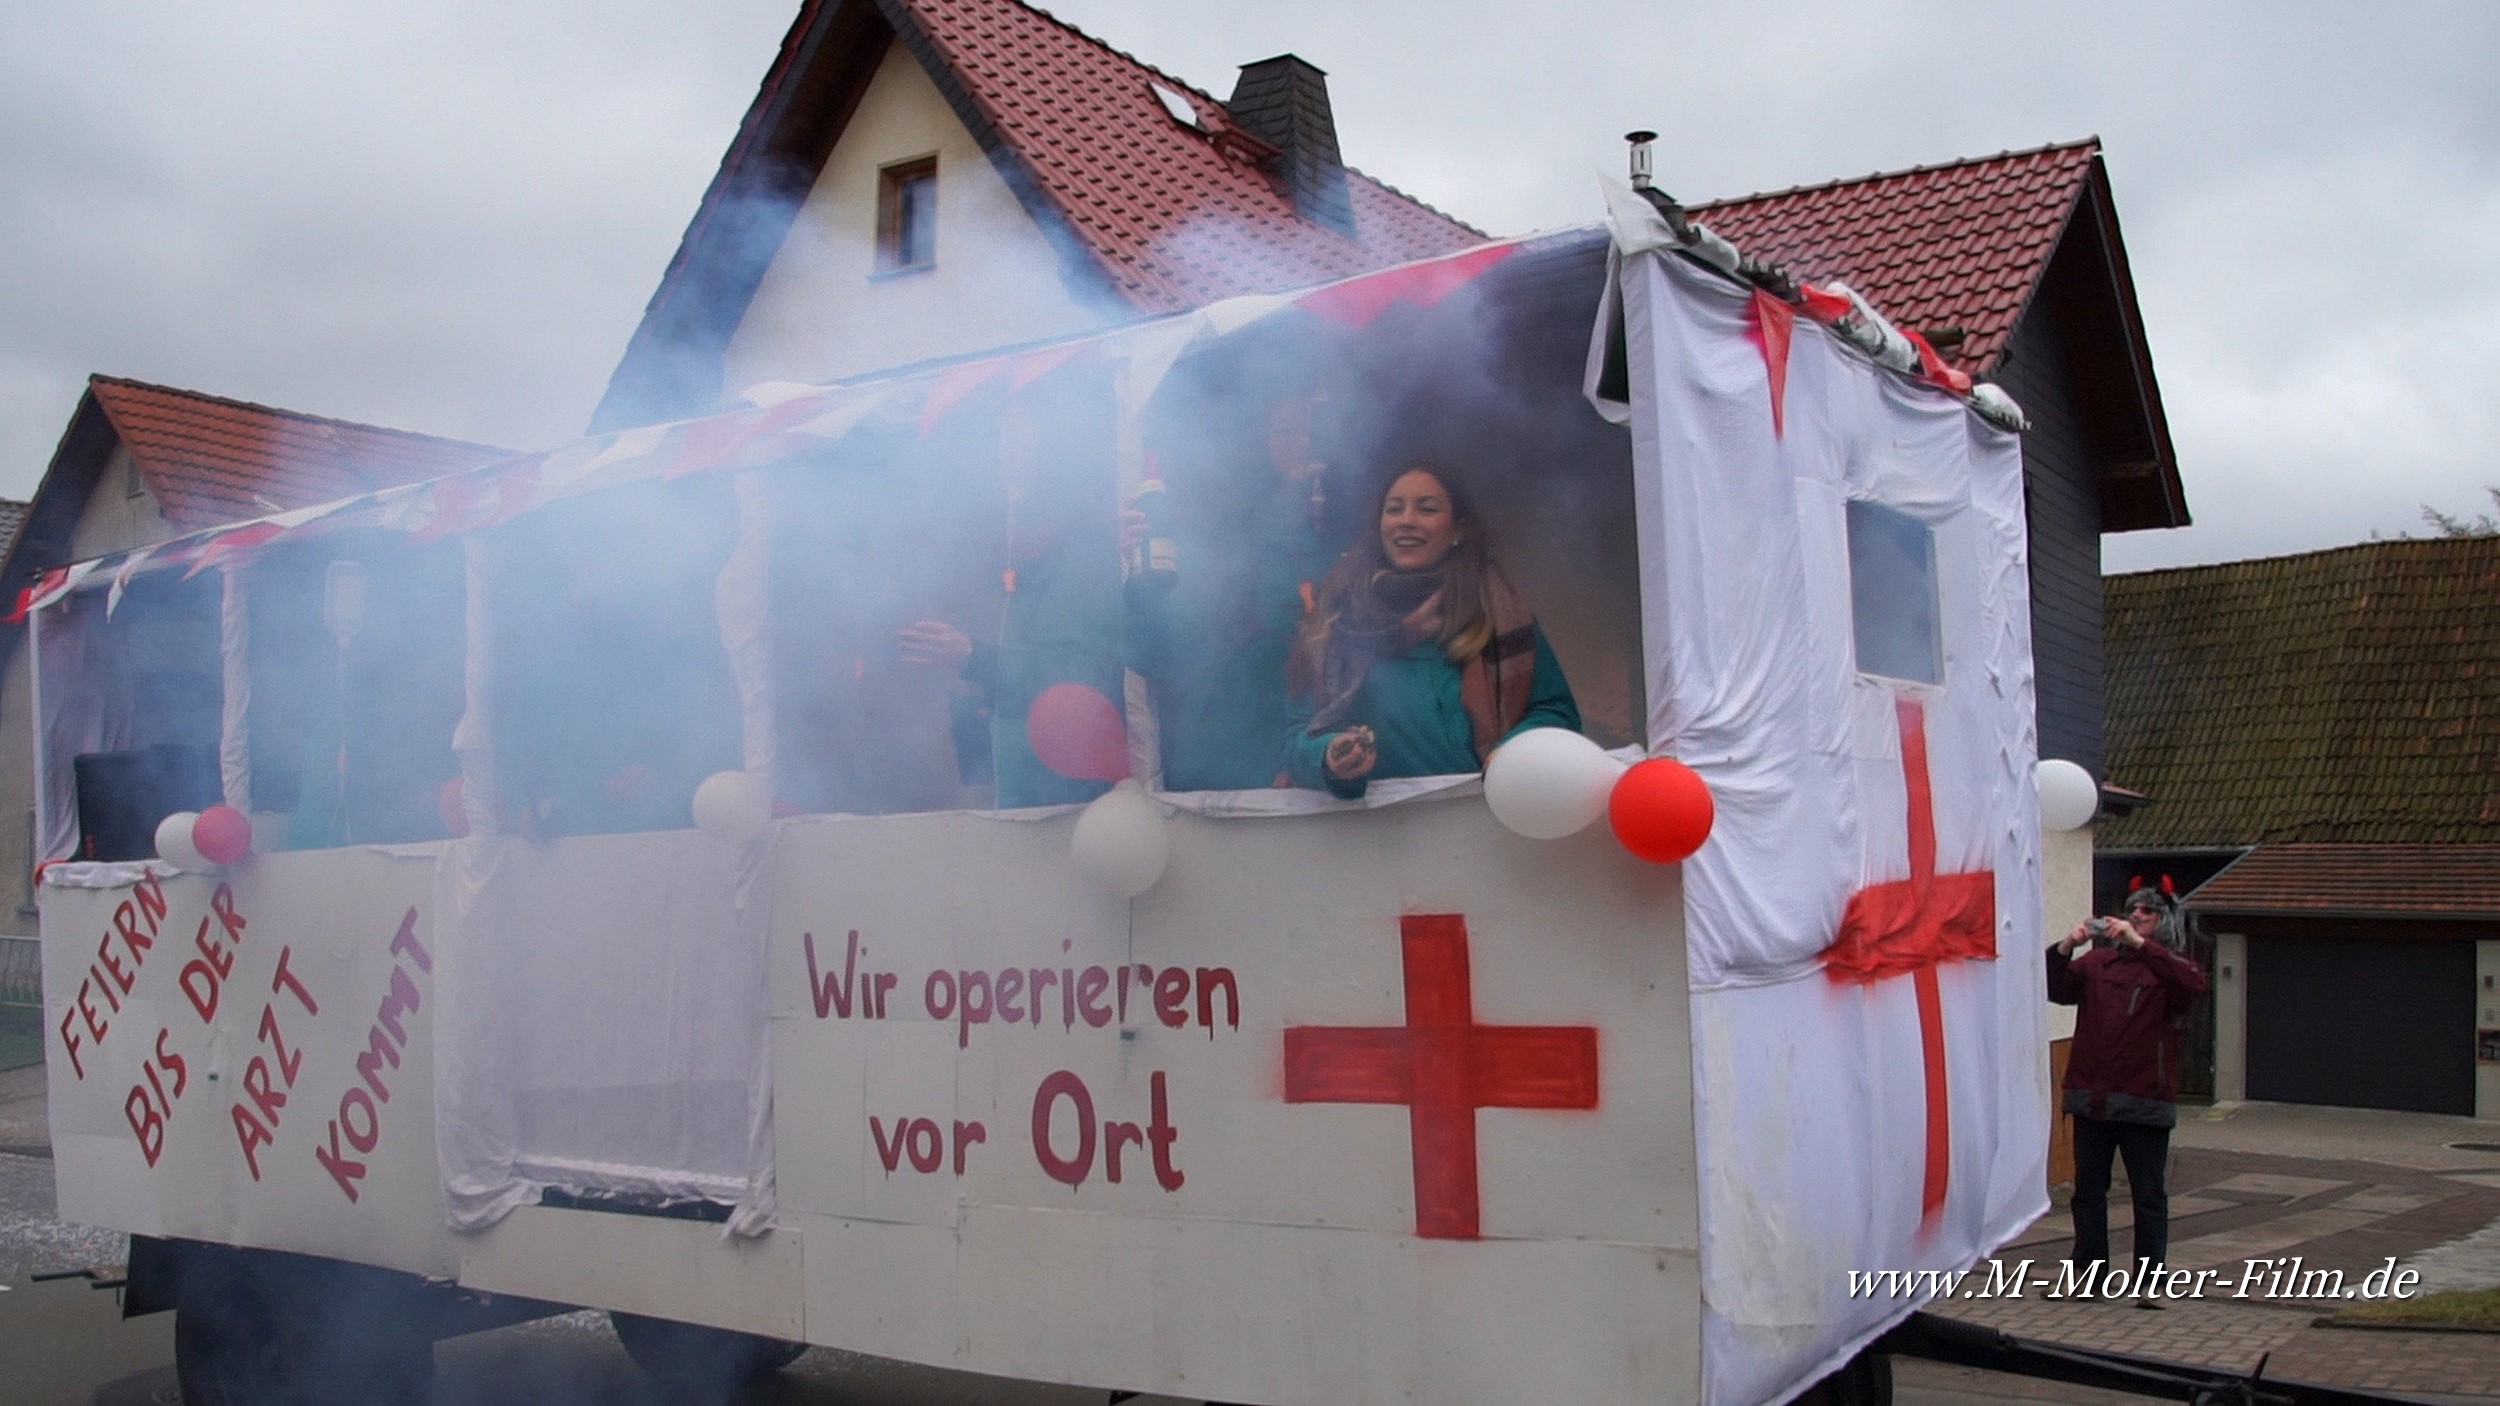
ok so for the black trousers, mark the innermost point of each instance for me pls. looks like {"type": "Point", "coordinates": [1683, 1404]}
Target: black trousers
{"type": "Point", "coordinates": [2147, 1150]}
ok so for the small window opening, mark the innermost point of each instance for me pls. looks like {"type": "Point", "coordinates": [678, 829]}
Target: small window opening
{"type": "Point", "coordinates": [1892, 594]}
{"type": "Point", "coordinates": [1180, 109]}
{"type": "Point", "coordinates": [907, 215]}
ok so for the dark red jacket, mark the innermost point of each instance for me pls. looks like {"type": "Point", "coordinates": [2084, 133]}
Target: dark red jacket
{"type": "Point", "coordinates": [2131, 1007]}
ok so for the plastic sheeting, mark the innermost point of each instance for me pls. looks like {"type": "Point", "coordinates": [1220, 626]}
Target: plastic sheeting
{"type": "Point", "coordinates": [1812, 1093]}
{"type": "Point", "coordinates": [69, 721]}
{"type": "Point", "coordinates": [603, 999]}
{"type": "Point", "coordinates": [601, 1023]}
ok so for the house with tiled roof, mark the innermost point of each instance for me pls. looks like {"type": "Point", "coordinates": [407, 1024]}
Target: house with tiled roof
{"type": "Point", "coordinates": [918, 179]}
{"type": "Point", "coordinates": [142, 463]}
{"type": "Point", "coordinates": [2013, 267]}
{"type": "Point", "coordinates": [925, 178]}
{"type": "Point", "coordinates": [2315, 735]}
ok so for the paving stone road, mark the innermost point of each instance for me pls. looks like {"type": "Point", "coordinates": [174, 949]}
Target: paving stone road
{"type": "Point", "coordinates": [2415, 1199]}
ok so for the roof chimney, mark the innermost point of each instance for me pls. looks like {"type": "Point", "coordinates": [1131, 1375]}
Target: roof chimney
{"type": "Point", "coordinates": [1283, 101]}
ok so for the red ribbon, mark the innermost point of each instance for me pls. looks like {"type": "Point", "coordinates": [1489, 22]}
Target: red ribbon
{"type": "Point", "coordinates": [1771, 324]}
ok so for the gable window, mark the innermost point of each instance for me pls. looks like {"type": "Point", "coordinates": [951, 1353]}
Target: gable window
{"type": "Point", "coordinates": [907, 215]}
{"type": "Point", "coordinates": [1892, 594]}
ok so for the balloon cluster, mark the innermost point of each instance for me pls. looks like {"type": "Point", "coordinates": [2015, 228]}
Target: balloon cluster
{"type": "Point", "coordinates": [198, 841]}
{"type": "Point", "coordinates": [1549, 782]}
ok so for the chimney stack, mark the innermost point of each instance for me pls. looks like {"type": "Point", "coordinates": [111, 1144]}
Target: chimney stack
{"type": "Point", "coordinates": [1283, 102]}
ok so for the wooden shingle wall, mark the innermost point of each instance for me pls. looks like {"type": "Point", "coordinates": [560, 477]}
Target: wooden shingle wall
{"type": "Point", "coordinates": [2062, 492]}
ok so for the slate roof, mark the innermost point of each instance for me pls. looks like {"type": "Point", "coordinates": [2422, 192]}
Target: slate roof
{"type": "Point", "coordinates": [12, 517]}
{"type": "Point", "coordinates": [1175, 221]}
{"type": "Point", "coordinates": [210, 460]}
{"type": "Point", "coordinates": [2409, 881]}
{"type": "Point", "coordinates": [2343, 696]}
{"type": "Point", "coordinates": [1962, 245]}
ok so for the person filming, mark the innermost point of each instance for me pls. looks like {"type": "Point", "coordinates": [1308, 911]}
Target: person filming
{"type": "Point", "coordinates": [2132, 991]}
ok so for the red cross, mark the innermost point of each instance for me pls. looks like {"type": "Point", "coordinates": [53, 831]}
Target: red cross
{"type": "Point", "coordinates": [1443, 1067]}
{"type": "Point", "coordinates": [1913, 925]}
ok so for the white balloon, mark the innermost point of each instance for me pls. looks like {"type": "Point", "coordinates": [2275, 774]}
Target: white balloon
{"type": "Point", "coordinates": [2068, 796]}
{"type": "Point", "coordinates": [173, 843]}
{"type": "Point", "coordinates": [1549, 782]}
{"type": "Point", "coordinates": [733, 807]}
{"type": "Point", "coordinates": [1120, 841]}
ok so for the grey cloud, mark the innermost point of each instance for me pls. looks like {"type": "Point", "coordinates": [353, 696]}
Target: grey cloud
{"type": "Point", "coordinates": [448, 218]}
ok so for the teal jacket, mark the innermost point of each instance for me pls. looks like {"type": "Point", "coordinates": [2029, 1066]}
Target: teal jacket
{"type": "Point", "coordinates": [1214, 648]}
{"type": "Point", "coordinates": [1062, 626]}
{"type": "Point", "coordinates": [1412, 705]}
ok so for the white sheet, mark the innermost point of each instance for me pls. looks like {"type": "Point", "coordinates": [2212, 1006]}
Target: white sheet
{"type": "Point", "coordinates": [1811, 1095]}
{"type": "Point", "coordinates": [602, 1022]}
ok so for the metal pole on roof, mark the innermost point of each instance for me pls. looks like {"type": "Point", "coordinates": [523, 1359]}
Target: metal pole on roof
{"type": "Point", "coordinates": [1640, 157]}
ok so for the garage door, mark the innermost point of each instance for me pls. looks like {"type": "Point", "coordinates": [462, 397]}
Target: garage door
{"type": "Point", "coordinates": [2362, 1024]}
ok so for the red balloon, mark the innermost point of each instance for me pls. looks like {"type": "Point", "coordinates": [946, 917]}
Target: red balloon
{"type": "Point", "coordinates": [1661, 810]}
{"type": "Point", "coordinates": [1078, 733]}
{"type": "Point", "coordinates": [452, 804]}
{"type": "Point", "coordinates": [222, 835]}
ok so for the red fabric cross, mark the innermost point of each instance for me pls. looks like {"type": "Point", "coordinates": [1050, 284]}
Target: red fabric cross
{"type": "Point", "coordinates": [1913, 925]}
{"type": "Point", "coordinates": [1443, 1067]}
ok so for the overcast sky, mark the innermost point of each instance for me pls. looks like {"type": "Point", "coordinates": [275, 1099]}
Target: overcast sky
{"type": "Point", "coordinates": [447, 217]}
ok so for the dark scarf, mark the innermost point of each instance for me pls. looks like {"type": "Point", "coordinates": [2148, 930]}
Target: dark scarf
{"type": "Point", "coordinates": [1401, 610]}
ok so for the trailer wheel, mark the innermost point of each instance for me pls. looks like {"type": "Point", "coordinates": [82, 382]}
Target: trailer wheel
{"type": "Point", "coordinates": [227, 1350]}
{"type": "Point", "coordinates": [253, 1333]}
{"type": "Point", "coordinates": [698, 1364]}
{"type": "Point", "coordinates": [1866, 1381]}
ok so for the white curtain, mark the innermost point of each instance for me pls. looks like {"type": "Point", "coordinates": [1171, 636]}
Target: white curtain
{"type": "Point", "coordinates": [1812, 1090]}
{"type": "Point", "coordinates": [602, 1018]}
{"type": "Point", "coordinates": [601, 1023]}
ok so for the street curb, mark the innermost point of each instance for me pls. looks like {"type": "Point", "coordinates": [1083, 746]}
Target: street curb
{"type": "Point", "coordinates": [2365, 1327]}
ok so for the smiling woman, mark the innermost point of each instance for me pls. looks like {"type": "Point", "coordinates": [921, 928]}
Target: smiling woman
{"type": "Point", "coordinates": [1420, 657]}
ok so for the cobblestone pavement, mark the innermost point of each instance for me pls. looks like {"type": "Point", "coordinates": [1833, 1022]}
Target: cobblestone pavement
{"type": "Point", "coordinates": [2316, 1217]}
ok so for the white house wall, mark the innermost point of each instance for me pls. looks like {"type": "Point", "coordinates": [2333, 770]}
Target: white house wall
{"type": "Point", "coordinates": [2487, 1013]}
{"type": "Point", "coordinates": [2065, 900]}
{"type": "Point", "coordinates": [824, 311]}
{"type": "Point", "coordinates": [2230, 998]}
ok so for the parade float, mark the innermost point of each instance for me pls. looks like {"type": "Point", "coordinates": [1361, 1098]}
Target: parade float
{"type": "Point", "coordinates": [544, 886]}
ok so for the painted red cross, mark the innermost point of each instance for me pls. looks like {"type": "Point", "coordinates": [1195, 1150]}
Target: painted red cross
{"type": "Point", "coordinates": [1913, 925]}
{"type": "Point", "coordinates": [1443, 1067]}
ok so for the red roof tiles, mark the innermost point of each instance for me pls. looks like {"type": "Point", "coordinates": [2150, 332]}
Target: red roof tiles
{"type": "Point", "coordinates": [210, 460]}
{"type": "Point", "coordinates": [1175, 221]}
{"type": "Point", "coordinates": [1954, 246]}
{"type": "Point", "coordinates": [2424, 881]}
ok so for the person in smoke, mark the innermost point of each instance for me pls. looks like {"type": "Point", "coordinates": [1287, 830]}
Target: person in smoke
{"type": "Point", "coordinates": [1420, 657]}
{"type": "Point", "coordinates": [1212, 636]}
{"type": "Point", "coordinates": [2132, 995]}
{"type": "Point", "coordinates": [1062, 618]}
{"type": "Point", "coordinates": [613, 691]}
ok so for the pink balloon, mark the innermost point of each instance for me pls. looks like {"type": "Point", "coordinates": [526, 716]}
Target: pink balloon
{"type": "Point", "coordinates": [452, 804]}
{"type": "Point", "coordinates": [222, 835]}
{"type": "Point", "coordinates": [1078, 733]}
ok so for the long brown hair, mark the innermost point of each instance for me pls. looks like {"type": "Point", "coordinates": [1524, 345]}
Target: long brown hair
{"type": "Point", "coordinates": [1467, 575]}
